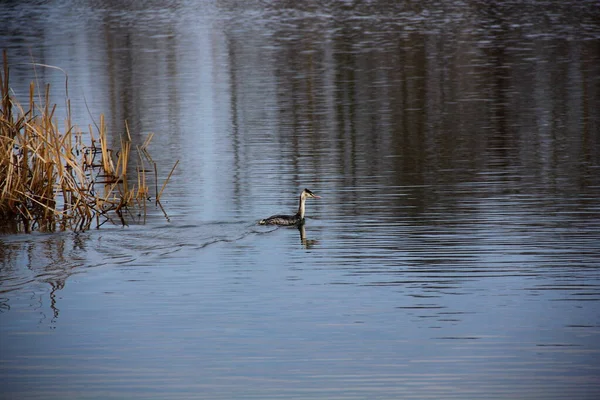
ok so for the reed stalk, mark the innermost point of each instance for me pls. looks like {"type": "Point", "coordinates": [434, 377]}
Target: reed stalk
{"type": "Point", "coordinates": [52, 179]}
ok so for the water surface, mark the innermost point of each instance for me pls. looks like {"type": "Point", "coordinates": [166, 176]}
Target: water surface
{"type": "Point", "coordinates": [454, 252]}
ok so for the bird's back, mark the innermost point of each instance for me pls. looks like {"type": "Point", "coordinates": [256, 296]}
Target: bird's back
{"type": "Point", "coordinates": [281, 220]}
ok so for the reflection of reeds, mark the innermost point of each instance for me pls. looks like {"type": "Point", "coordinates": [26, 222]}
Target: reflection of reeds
{"type": "Point", "coordinates": [55, 180]}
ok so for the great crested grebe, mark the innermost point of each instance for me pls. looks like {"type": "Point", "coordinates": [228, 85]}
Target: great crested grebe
{"type": "Point", "coordinates": [296, 219]}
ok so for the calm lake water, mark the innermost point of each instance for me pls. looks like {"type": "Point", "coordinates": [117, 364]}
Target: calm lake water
{"type": "Point", "coordinates": [455, 252]}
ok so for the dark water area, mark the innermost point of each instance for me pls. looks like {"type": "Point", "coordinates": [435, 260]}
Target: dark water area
{"type": "Point", "coordinates": [455, 252]}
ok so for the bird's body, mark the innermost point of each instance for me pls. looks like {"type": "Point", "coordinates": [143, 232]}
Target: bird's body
{"type": "Point", "coordinates": [288, 220]}
{"type": "Point", "coordinates": [285, 220]}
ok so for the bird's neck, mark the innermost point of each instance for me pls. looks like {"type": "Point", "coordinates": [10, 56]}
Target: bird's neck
{"type": "Point", "coordinates": [301, 206]}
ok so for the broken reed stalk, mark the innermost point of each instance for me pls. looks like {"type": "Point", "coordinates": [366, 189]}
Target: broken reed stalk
{"type": "Point", "coordinates": [50, 179]}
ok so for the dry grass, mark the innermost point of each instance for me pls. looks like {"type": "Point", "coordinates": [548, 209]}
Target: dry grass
{"type": "Point", "coordinates": [60, 180]}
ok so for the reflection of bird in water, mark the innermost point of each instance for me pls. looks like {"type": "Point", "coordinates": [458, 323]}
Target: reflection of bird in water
{"type": "Point", "coordinates": [306, 243]}
{"type": "Point", "coordinates": [296, 219]}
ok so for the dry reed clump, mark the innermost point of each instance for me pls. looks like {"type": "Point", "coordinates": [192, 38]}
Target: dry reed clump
{"type": "Point", "coordinates": [53, 180]}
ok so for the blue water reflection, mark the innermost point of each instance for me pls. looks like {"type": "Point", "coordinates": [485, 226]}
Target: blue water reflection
{"type": "Point", "coordinates": [454, 252]}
